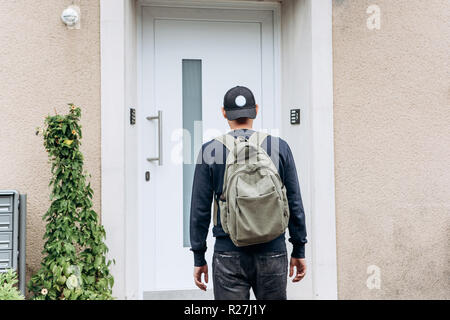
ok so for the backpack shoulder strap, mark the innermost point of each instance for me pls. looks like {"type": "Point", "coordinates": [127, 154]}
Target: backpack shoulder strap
{"type": "Point", "coordinates": [227, 140]}
{"type": "Point", "coordinates": [215, 209]}
{"type": "Point", "coordinates": [257, 138]}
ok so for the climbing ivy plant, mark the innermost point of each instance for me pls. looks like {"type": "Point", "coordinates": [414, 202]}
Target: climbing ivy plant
{"type": "Point", "coordinates": [74, 266]}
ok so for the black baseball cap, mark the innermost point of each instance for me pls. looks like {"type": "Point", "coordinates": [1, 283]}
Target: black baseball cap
{"type": "Point", "coordinates": [239, 102]}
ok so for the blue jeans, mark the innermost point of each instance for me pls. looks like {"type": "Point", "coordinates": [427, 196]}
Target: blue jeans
{"type": "Point", "coordinates": [235, 272]}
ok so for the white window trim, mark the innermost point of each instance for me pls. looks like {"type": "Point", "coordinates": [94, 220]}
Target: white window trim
{"type": "Point", "coordinates": [118, 94]}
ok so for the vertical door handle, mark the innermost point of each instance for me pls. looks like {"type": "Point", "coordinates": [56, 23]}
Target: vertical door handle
{"type": "Point", "coordinates": [159, 118]}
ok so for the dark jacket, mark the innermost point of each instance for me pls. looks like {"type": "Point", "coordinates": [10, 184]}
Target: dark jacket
{"type": "Point", "coordinates": [208, 180]}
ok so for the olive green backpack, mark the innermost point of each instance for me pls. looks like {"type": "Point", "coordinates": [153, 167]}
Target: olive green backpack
{"type": "Point", "coordinates": [253, 205]}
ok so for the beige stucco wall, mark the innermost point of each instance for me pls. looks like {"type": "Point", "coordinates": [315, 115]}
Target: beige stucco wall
{"type": "Point", "coordinates": [43, 66]}
{"type": "Point", "coordinates": [392, 148]}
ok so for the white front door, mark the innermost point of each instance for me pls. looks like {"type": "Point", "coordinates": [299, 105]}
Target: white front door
{"type": "Point", "coordinates": [189, 59]}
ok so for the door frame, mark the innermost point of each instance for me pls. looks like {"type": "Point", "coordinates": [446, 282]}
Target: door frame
{"type": "Point", "coordinates": [120, 176]}
{"type": "Point", "coordinates": [150, 13]}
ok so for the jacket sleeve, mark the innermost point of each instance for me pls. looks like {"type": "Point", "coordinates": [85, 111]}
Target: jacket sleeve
{"type": "Point", "coordinates": [297, 226]}
{"type": "Point", "coordinates": [200, 215]}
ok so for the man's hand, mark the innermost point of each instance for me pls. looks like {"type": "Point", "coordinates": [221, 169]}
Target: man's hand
{"type": "Point", "coordinates": [300, 265]}
{"type": "Point", "coordinates": [198, 276]}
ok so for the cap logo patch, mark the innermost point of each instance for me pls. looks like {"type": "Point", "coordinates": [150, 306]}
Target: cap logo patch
{"type": "Point", "coordinates": [240, 101]}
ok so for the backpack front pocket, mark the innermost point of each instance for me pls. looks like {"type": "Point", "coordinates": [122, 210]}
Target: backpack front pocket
{"type": "Point", "coordinates": [258, 219]}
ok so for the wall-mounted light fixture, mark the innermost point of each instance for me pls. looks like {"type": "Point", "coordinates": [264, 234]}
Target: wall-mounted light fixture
{"type": "Point", "coordinates": [71, 17]}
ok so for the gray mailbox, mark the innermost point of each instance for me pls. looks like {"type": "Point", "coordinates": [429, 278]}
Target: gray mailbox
{"type": "Point", "coordinates": [12, 233]}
